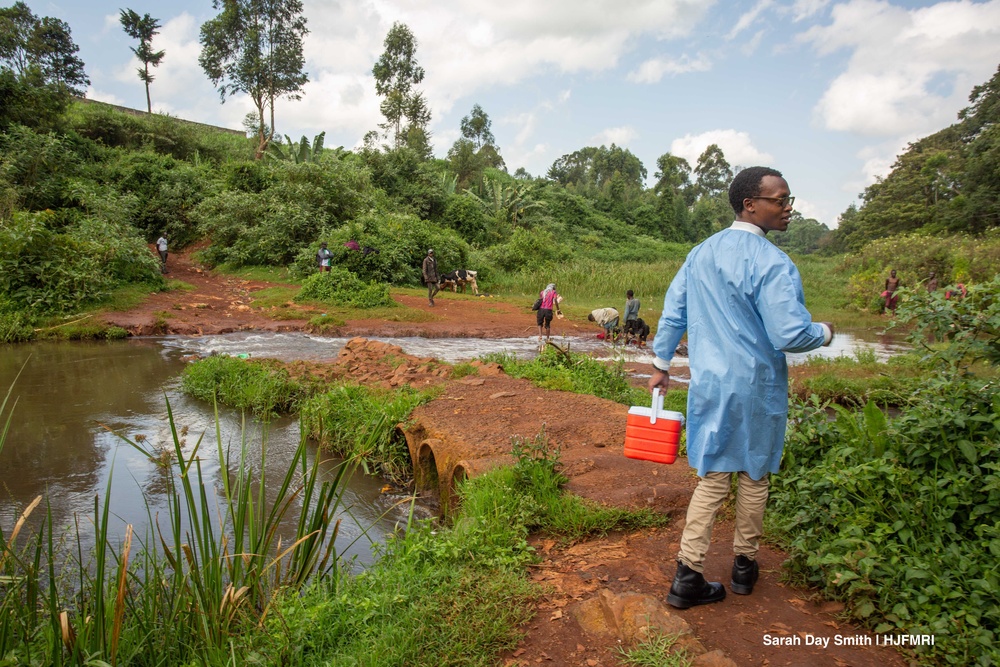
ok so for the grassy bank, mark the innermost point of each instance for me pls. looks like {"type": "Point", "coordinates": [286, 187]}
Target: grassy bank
{"type": "Point", "coordinates": [199, 592]}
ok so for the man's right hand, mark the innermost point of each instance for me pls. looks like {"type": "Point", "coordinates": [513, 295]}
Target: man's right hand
{"type": "Point", "coordinates": [659, 379]}
{"type": "Point", "coordinates": [829, 324]}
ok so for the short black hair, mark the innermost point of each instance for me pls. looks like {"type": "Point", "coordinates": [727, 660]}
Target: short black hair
{"type": "Point", "coordinates": [629, 294]}
{"type": "Point", "coordinates": [747, 185]}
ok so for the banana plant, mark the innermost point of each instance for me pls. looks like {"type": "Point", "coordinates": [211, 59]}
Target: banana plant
{"type": "Point", "coordinates": [300, 152]}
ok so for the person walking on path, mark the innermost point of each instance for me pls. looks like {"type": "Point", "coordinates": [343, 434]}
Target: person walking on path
{"type": "Point", "coordinates": [543, 316]}
{"type": "Point", "coordinates": [323, 258]}
{"type": "Point", "coordinates": [891, 298]}
{"type": "Point", "coordinates": [430, 273]}
{"type": "Point", "coordinates": [740, 300]}
{"type": "Point", "coordinates": [161, 248]}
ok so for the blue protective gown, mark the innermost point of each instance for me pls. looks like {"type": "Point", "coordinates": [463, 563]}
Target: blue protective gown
{"type": "Point", "coordinates": [740, 299]}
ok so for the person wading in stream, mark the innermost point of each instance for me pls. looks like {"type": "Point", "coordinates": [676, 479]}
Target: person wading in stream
{"type": "Point", "coordinates": [740, 300]}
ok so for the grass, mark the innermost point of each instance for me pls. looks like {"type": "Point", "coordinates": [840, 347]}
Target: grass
{"type": "Point", "coordinates": [359, 423]}
{"type": "Point", "coordinates": [439, 595]}
{"type": "Point", "coordinates": [211, 583]}
{"type": "Point", "coordinates": [261, 387]}
{"type": "Point", "coordinates": [582, 374]}
{"type": "Point", "coordinates": [657, 651]}
{"type": "Point", "coordinates": [854, 381]}
{"type": "Point", "coordinates": [587, 284]}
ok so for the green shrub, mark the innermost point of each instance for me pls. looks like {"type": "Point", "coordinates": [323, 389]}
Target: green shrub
{"type": "Point", "coordinates": [898, 516]}
{"type": "Point", "coordinates": [182, 140]}
{"type": "Point", "coordinates": [43, 270]}
{"type": "Point", "coordinates": [340, 287]}
{"type": "Point", "coordinates": [402, 241]}
{"type": "Point", "coordinates": [526, 248]}
{"type": "Point", "coordinates": [359, 423]}
{"type": "Point", "coordinates": [38, 166]}
{"type": "Point", "coordinates": [260, 387]}
{"type": "Point", "coordinates": [166, 190]}
{"type": "Point", "coordinates": [955, 259]}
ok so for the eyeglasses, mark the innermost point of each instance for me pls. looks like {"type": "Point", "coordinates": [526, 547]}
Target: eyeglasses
{"type": "Point", "coordinates": [783, 202]}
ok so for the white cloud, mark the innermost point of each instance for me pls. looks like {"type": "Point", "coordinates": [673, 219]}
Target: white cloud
{"type": "Point", "coordinates": [471, 45]}
{"type": "Point", "coordinates": [808, 210]}
{"type": "Point", "coordinates": [747, 19]}
{"type": "Point", "coordinates": [803, 9]}
{"type": "Point", "coordinates": [736, 146]}
{"type": "Point", "coordinates": [899, 59]}
{"type": "Point", "coordinates": [102, 96]}
{"type": "Point", "coordinates": [620, 136]}
{"type": "Point", "coordinates": [652, 70]}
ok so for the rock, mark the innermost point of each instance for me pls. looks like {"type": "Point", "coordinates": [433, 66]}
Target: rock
{"type": "Point", "coordinates": [635, 617]}
{"type": "Point", "coordinates": [501, 394]}
{"type": "Point", "coordinates": [715, 658]}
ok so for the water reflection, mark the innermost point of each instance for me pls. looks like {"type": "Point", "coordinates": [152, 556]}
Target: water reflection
{"type": "Point", "coordinates": [71, 396]}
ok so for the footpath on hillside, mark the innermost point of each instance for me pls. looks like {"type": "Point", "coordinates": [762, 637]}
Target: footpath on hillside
{"type": "Point", "coordinates": [600, 590]}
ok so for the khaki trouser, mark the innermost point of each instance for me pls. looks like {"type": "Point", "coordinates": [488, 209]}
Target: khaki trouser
{"type": "Point", "coordinates": [712, 491]}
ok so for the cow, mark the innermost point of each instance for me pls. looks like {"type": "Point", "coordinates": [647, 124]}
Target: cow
{"type": "Point", "coordinates": [459, 278]}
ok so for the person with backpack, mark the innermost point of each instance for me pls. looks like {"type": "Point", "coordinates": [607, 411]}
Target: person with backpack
{"type": "Point", "coordinates": [548, 301]}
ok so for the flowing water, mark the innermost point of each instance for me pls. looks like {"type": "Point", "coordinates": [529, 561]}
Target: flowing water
{"type": "Point", "coordinates": [72, 399]}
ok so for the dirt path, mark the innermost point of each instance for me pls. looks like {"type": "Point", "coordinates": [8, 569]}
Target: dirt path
{"type": "Point", "coordinates": [591, 432]}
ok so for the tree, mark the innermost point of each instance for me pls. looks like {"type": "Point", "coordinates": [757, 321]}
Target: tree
{"type": "Point", "coordinates": [804, 235]}
{"type": "Point", "coordinates": [255, 47]}
{"type": "Point", "coordinates": [713, 172]}
{"type": "Point", "coordinates": [45, 44]}
{"type": "Point", "coordinates": [476, 128]}
{"type": "Point", "coordinates": [143, 28]}
{"type": "Point", "coordinates": [396, 72]}
{"type": "Point", "coordinates": [592, 166]}
{"type": "Point", "coordinates": [673, 174]}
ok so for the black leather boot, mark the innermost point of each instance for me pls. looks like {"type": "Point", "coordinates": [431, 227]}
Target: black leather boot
{"type": "Point", "coordinates": [745, 574]}
{"type": "Point", "coordinates": [690, 589]}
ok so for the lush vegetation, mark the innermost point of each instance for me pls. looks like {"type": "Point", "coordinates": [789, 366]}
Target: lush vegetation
{"type": "Point", "coordinates": [898, 515]}
{"type": "Point", "coordinates": [438, 595]}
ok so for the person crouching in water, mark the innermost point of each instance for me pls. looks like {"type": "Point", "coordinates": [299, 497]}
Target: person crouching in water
{"type": "Point", "coordinates": [543, 316]}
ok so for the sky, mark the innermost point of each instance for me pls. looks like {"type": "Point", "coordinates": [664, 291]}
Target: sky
{"type": "Point", "coordinates": [828, 92]}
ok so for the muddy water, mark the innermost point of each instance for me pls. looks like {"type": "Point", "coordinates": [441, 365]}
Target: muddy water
{"type": "Point", "coordinates": [291, 346]}
{"type": "Point", "coordinates": [71, 394]}
{"type": "Point", "coordinates": [58, 445]}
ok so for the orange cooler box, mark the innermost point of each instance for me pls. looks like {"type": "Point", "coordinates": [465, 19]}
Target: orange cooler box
{"type": "Point", "coordinates": [653, 434]}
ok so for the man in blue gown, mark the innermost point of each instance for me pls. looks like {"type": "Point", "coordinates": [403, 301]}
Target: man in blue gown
{"type": "Point", "coordinates": [740, 300]}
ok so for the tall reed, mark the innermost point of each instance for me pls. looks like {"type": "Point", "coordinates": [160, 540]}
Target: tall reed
{"type": "Point", "coordinates": [186, 590]}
